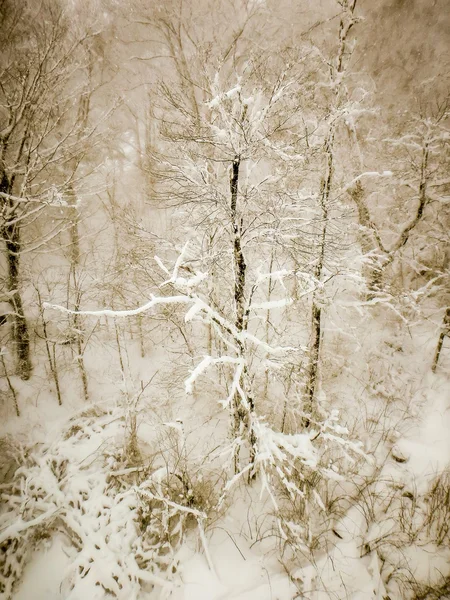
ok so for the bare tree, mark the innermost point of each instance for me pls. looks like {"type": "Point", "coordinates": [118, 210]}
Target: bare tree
{"type": "Point", "coordinates": [420, 162]}
{"type": "Point", "coordinates": [38, 136]}
{"type": "Point", "coordinates": [43, 141]}
{"type": "Point", "coordinates": [337, 110]}
{"type": "Point", "coordinates": [219, 171]}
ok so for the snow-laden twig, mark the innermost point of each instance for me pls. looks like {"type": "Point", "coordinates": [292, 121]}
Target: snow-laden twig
{"type": "Point", "coordinates": [187, 298]}
{"type": "Point", "coordinates": [179, 507]}
{"type": "Point", "coordinates": [273, 445]}
{"type": "Point", "coordinates": [20, 526]}
{"type": "Point", "coordinates": [270, 305]}
{"type": "Point", "coordinates": [174, 278]}
{"type": "Point", "coordinates": [232, 482]}
{"type": "Point", "coordinates": [204, 364]}
{"type": "Point", "coordinates": [107, 312]}
{"type": "Point", "coordinates": [161, 265]}
{"type": "Point", "coordinates": [273, 276]}
{"type": "Point", "coordinates": [386, 300]}
{"type": "Point", "coordinates": [235, 386]}
{"type": "Point", "coordinates": [372, 174]}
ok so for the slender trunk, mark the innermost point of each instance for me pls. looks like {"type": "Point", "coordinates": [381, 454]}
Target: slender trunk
{"type": "Point", "coordinates": [371, 244]}
{"type": "Point", "coordinates": [73, 227]}
{"type": "Point", "coordinates": [74, 233]}
{"type": "Point", "coordinates": [52, 363]}
{"type": "Point", "coordinates": [285, 404]}
{"type": "Point", "coordinates": [55, 375]}
{"type": "Point", "coordinates": [141, 336]}
{"type": "Point", "coordinates": [20, 326]}
{"type": "Point", "coordinates": [445, 331]}
{"type": "Point", "coordinates": [10, 385]}
{"type": "Point", "coordinates": [79, 344]}
{"type": "Point", "coordinates": [50, 355]}
{"type": "Point", "coordinates": [21, 337]}
{"type": "Point", "coordinates": [211, 287]}
{"type": "Point", "coordinates": [239, 260]}
{"type": "Point", "coordinates": [314, 352]}
{"type": "Point", "coordinates": [130, 329]}
{"type": "Point", "coordinates": [74, 265]}
{"type": "Point", "coordinates": [346, 24]}
{"type": "Point", "coordinates": [241, 413]}
{"type": "Point", "coordinates": [82, 369]}
{"type": "Point", "coordinates": [119, 348]}
{"type": "Point", "coordinates": [269, 296]}
{"type": "Point", "coordinates": [209, 339]}
{"type": "Point", "coordinates": [316, 311]}
{"type": "Point", "coordinates": [75, 255]}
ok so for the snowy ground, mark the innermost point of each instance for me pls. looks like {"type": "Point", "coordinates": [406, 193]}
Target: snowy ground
{"type": "Point", "coordinates": [74, 469]}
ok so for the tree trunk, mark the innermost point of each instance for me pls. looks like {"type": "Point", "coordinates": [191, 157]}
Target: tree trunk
{"type": "Point", "coordinates": [73, 227]}
{"type": "Point", "coordinates": [75, 252]}
{"type": "Point", "coordinates": [314, 355]}
{"type": "Point", "coordinates": [371, 239]}
{"type": "Point", "coordinates": [371, 245]}
{"type": "Point", "coordinates": [241, 413]}
{"type": "Point", "coordinates": [21, 338]}
{"type": "Point", "coordinates": [10, 385]}
{"type": "Point", "coordinates": [267, 325]}
{"type": "Point", "coordinates": [316, 311]}
{"type": "Point", "coordinates": [444, 332]}
{"type": "Point", "coordinates": [77, 325]}
{"type": "Point", "coordinates": [239, 260]}
{"type": "Point", "coordinates": [347, 21]}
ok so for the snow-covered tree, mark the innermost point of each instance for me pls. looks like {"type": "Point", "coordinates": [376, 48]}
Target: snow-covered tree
{"type": "Point", "coordinates": [42, 139]}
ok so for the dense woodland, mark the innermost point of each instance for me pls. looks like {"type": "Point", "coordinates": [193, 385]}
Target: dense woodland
{"type": "Point", "coordinates": [224, 301]}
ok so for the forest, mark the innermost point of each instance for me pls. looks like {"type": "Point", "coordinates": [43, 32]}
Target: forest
{"type": "Point", "coordinates": [224, 300]}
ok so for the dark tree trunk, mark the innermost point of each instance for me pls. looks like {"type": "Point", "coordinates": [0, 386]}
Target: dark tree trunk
{"type": "Point", "coordinates": [444, 332]}
{"type": "Point", "coordinates": [11, 236]}
{"type": "Point", "coordinates": [314, 355]}
{"type": "Point", "coordinates": [239, 260]}
{"type": "Point", "coordinates": [241, 414]}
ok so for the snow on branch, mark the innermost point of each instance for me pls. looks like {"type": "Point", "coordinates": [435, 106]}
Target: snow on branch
{"type": "Point", "coordinates": [274, 276]}
{"type": "Point", "coordinates": [188, 296]}
{"type": "Point", "coordinates": [236, 388]}
{"type": "Point", "coordinates": [205, 364]}
{"type": "Point", "coordinates": [179, 507]}
{"type": "Point", "coordinates": [275, 446]}
{"type": "Point", "coordinates": [155, 301]}
{"type": "Point", "coordinates": [181, 282]}
{"type": "Point", "coordinates": [193, 311]}
{"type": "Point", "coordinates": [20, 526]}
{"type": "Point", "coordinates": [272, 304]}
{"type": "Point", "coordinates": [372, 174]}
